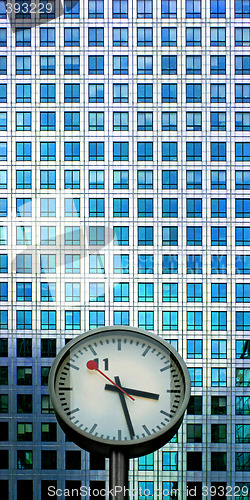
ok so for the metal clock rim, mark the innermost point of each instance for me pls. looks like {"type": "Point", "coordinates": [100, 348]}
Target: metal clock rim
{"type": "Point", "coordinates": [104, 446]}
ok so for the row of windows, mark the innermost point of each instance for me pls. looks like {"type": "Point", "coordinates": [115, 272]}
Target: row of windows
{"type": "Point", "coordinates": [121, 36]}
{"type": "Point", "coordinates": [144, 9]}
{"type": "Point", "coordinates": [145, 318]}
{"type": "Point", "coordinates": [194, 291]}
{"type": "Point", "coordinates": [194, 264]}
{"type": "Point", "coordinates": [96, 120]}
{"type": "Point", "coordinates": [121, 151]}
{"type": "Point", "coordinates": [121, 235]}
{"type": "Point", "coordinates": [145, 208]}
{"type": "Point", "coordinates": [218, 434]}
{"type": "Point", "coordinates": [121, 65]}
{"type": "Point", "coordinates": [121, 92]}
{"type": "Point", "coordinates": [121, 181]}
{"type": "Point", "coordinates": [169, 463]}
{"type": "Point", "coordinates": [24, 349]}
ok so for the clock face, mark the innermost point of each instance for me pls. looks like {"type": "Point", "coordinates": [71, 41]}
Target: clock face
{"type": "Point", "coordinates": [118, 386]}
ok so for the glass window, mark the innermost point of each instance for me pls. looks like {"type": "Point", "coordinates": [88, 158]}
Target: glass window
{"type": "Point", "coordinates": [217, 37]}
{"type": "Point", "coordinates": [47, 37]}
{"type": "Point", "coordinates": [96, 151]}
{"type": "Point", "coordinates": [196, 376]}
{"type": "Point", "coordinates": [96, 179]}
{"type": "Point", "coordinates": [71, 37]}
{"type": "Point", "coordinates": [121, 264]}
{"type": "Point", "coordinates": [219, 349]}
{"type": "Point", "coordinates": [169, 65]}
{"type": "Point", "coordinates": [96, 207]}
{"type": "Point", "coordinates": [170, 320]}
{"type": "Point", "coordinates": [193, 92]}
{"type": "Point", "coordinates": [218, 377]}
{"type": "Point", "coordinates": [194, 264]}
{"type": "Point", "coordinates": [195, 405]}
{"type": "Point", "coordinates": [121, 235]}
{"type": "Point", "coordinates": [218, 121]}
{"type": "Point", "coordinates": [169, 92]}
{"type": "Point", "coordinates": [144, 9]}
{"type": "Point", "coordinates": [242, 65]}
{"type": "Point", "coordinates": [219, 320]}
{"type": "Point", "coordinates": [194, 433]}
{"type": "Point", "coordinates": [169, 236]}
{"type": "Point", "coordinates": [218, 92]}
{"type": "Point", "coordinates": [193, 65]}
{"type": "Point", "coordinates": [170, 264]}
{"type": "Point", "coordinates": [219, 292]}
{"type": "Point", "coordinates": [96, 292]}
{"type": "Point", "coordinates": [120, 37]}
{"type": "Point", "coordinates": [169, 120]}
{"type": "Point", "coordinates": [242, 37]}
{"type": "Point", "coordinates": [120, 179]}
{"type": "Point", "coordinates": [145, 207]}
{"type": "Point", "coordinates": [145, 235]}
{"type": "Point", "coordinates": [145, 264]}
{"type": "Point", "coordinates": [120, 65]}
{"type": "Point", "coordinates": [218, 179]}
{"type": "Point", "coordinates": [96, 264]}
{"type": "Point", "coordinates": [194, 207]}
{"type": "Point", "coordinates": [48, 292]}
{"type": "Point", "coordinates": [243, 349]}
{"type": "Point", "coordinates": [168, 37]}
{"type": "Point", "coordinates": [170, 207]}
{"type": "Point", "coordinates": [242, 8]}
{"type": "Point", "coordinates": [96, 8]}
{"type": "Point", "coordinates": [120, 120]}
{"type": "Point", "coordinates": [194, 235]}
{"type": "Point", "coordinates": [146, 462]}
{"type": "Point", "coordinates": [218, 264]}
{"type": "Point", "coordinates": [96, 92]}
{"type": "Point", "coordinates": [169, 179]}
{"type": "Point", "coordinates": [120, 9]}
{"type": "Point", "coordinates": [24, 292]}
{"type": "Point", "coordinates": [194, 348]}
{"type": "Point", "coordinates": [194, 292]}
{"type": "Point", "coordinates": [193, 37]}
{"type": "Point", "coordinates": [120, 92]}
{"type": "Point", "coordinates": [145, 292]}
{"type": "Point", "coordinates": [193, 9]}
{"type": "Point", "coordinates": [144, 92]}
{"type": "Point", "coordinates": [194, 320]}
{"type": "Point", "coordinates": [3, 92]}
{"type": "Point", "coordinates": [168, 9]}
{"type": "Point", "coordinates": [217, 8]}
{"type": "Point", "coordinates": [146, 320]}
{"type": "Point", "coordinates": [169, 460]}
{"type": "Point", "coordinates": [193, 121]}
{"type": "Point", "coordinates": [170, 292]}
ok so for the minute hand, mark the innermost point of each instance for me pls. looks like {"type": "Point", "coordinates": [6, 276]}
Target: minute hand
{"type": "Point", "coordinates": [134, 392]}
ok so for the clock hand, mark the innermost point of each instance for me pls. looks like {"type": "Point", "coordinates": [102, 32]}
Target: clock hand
{"type": "Point", "coordinates": [134, 392]}
{"type": "Point", "coordinates": [125, 410]}
{"type": "Point", "coordinates": [92, 365]}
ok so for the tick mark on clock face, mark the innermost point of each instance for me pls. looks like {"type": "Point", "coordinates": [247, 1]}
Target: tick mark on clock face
{"type": "Point", "coordinates": [119, 342]}
{"type": "Point", "coordinates": [146, 351]}
{"type": "Point", "coordinates": [146, 429]}
{"type": "Point", "coordinates": [72, 411]}
{"type": "Point", "coordinates": [93, 428]}
{"type": "Point", "coordinates": [165, 368]}
{"type": "Point", "coordinates": [92, 350]}
{"type": "Point", "coordinates": [73, 366]}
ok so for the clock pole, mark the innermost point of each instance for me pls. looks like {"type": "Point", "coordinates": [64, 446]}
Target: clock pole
{"type": "Point", "coordinates": [118, 475]}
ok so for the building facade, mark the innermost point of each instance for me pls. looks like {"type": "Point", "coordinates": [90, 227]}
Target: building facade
{"type": "Point", "coordinates": [124, 187]}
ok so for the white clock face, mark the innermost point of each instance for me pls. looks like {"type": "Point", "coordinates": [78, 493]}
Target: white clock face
{"type": "Point", "coordinates": [144, 394]}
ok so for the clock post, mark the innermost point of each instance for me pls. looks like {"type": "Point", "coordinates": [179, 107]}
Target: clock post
{"type": "Point", "coordinates": [118, 475]}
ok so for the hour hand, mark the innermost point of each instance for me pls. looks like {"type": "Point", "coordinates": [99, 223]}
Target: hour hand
{"type": "Point", "coordinates": [134, 392]}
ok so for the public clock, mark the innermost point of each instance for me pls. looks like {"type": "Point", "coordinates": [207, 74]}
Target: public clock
{"type": "Point", "coordinates": [119, 388]}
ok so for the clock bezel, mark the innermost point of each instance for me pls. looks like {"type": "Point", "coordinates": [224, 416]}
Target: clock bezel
{"type": "Point", "coordinates": [133, 448]}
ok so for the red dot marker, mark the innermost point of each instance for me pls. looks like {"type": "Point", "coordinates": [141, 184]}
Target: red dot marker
{"type": "Point", "coordinates": [92, 365]}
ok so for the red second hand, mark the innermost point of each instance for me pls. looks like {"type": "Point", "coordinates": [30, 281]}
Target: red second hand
{"type": "Point", "coordinates": [92, 365]}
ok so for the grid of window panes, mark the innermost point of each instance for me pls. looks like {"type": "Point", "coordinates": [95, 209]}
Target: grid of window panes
{"type": "Point", "coordinates": [124, 146]}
